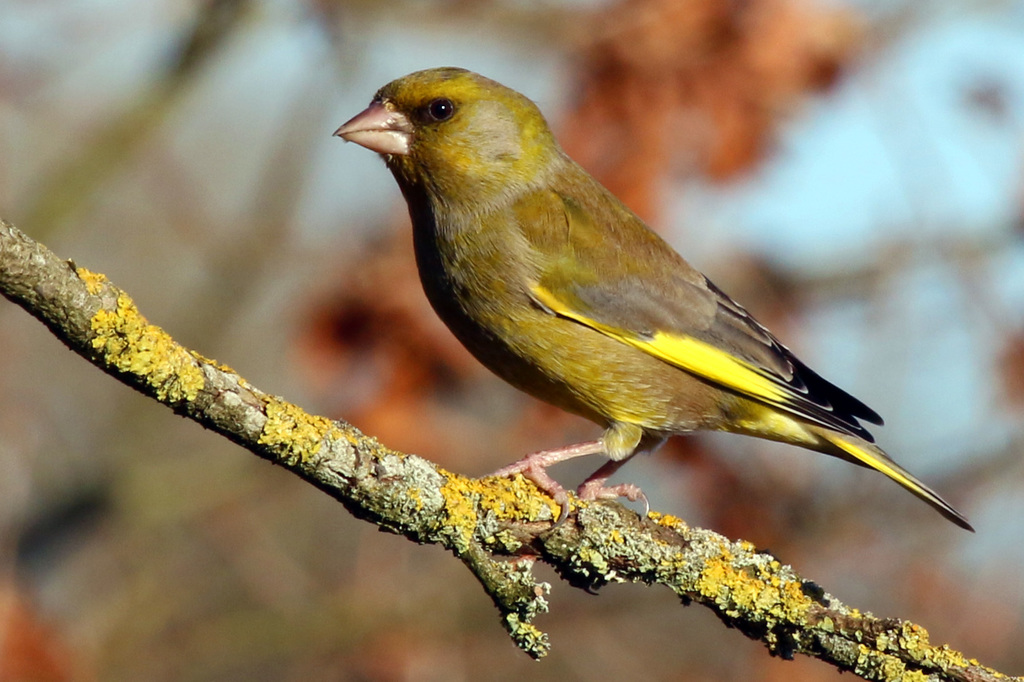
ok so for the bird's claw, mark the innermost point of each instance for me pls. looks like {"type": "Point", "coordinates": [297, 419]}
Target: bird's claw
{"type": "Point", "coordinates": [539, 477]}
{"type": "Point", "coordinates": [596, 490]}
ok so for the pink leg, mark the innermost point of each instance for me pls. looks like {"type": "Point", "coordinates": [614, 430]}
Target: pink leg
{"type": "Point", "coordinates": [594, 487]}
{"type": "Point", "coordinates": [544, 458]}
{"type": "Point", "coordinates": [534, 467]}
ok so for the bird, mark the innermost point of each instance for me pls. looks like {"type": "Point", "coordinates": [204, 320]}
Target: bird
{"type": "Point", "coordinates": [553, 284]}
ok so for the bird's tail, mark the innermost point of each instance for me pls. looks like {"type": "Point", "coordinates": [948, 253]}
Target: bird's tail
{"type": "Point", "coordinates": [869, 455]}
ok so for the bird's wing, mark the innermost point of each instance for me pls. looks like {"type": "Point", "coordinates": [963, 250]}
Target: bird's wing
{"type": "Point", "coordinates": [667, 309]}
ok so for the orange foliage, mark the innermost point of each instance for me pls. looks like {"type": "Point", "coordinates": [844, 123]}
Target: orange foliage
{"type": "Point", "coordinates": [30, 649]}
{"type": "Point", "coordinates": [1012, 361]}
{"type": "Point", "coordinates": [703, 81]}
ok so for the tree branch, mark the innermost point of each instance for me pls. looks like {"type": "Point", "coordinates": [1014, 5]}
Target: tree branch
{"type": "Point", "coordinates": [482, 522]}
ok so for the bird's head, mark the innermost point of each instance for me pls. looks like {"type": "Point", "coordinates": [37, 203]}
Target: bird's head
{"type": "Point", "coordinates": [457, 135]}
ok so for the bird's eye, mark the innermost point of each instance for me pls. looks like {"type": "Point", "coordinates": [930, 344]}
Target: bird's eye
{"type": "Point", "coordinates": [440, 109]}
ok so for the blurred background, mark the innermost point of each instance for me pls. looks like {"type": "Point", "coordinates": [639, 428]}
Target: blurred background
{"type": "Point", "coordinates": [850, 170]}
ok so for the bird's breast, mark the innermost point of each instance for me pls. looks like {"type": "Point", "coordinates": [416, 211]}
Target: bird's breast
{"type": "Point", "coordinates": [479, 286]}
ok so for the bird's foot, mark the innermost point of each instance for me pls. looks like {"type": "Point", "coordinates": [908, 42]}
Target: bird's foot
{"type": "Point", "coordinates": [534, 466]}
{"type": "Point", "coordinates": [536, 473]}
{"type": "Point", "coordinates": [594, 487]}
{"type": "Point", "coordinates": [597, 490]}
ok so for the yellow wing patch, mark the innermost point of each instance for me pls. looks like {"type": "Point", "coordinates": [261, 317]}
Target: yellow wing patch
{"type": "Point", "coordinates": [690, 354]}
{"type": "Point", "coordinates": [709, 362]}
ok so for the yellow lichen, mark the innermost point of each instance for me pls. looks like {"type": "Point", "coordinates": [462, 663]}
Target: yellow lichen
{"type": "Point", "coordinates": [914, 639]}
{"type": "Point", "coordinates": [502, 499]}
{"type": "Point", "coordinates": [912, 676]}
{"type": "Point", "coordinates": [911, 640]}
{"type": "Point", "coordinates": [127, 342]}
{"type": "Point", "coordinates": [668, 521]}
{"type": "Point", "coordinates": [513, 498]}
{"type": "Point", "coordinates": [736, 592]}
{"type": "Point", "coordinates": [460, 511]}
{"type": "Point", "coordinates": [294, 431]}
{"type": "Point", "coordinates": [873, 665]}
{"type": "Point", "coordinates": [94, 281]}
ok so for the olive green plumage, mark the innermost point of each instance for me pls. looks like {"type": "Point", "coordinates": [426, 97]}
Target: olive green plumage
{"type": "Point", "coordinates": [557, 287]}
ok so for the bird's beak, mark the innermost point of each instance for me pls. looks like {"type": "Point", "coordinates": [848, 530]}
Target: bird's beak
{"type": "Point", "coordinates": [379, 129]}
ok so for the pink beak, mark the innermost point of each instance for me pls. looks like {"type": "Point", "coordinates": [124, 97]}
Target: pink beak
{"type": "Point", "coordinates": [379, 129]}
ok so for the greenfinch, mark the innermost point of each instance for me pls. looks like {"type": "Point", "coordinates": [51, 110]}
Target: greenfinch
{"type": "Point", "coordinates": [562, 291]}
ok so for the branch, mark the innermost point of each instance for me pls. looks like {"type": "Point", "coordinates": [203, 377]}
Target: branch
{"type": "Point", "coordinates": [482, 522]}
